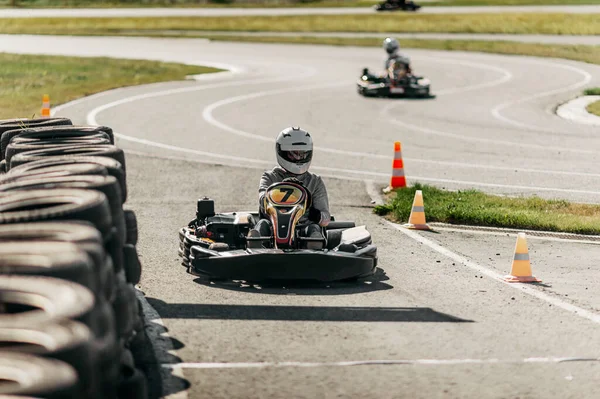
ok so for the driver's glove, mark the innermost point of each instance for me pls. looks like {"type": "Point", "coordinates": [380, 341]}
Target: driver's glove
{"type": "Point", "coordinates": [314, 215]}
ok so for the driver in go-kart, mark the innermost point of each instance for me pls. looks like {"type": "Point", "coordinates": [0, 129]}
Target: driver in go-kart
{"type": "Point", "coordinates": [294, 149]}
{"type": "Point", "coordinates": [397, 65]}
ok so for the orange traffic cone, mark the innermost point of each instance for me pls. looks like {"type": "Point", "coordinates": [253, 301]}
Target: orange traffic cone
{"type": "Point", "coordinates": [398, 179]}
{"type": "Point", "coordinates": [521, 267]}
{"type": "Point", "coordinates": [416, 220]}
{"type": "Point", "coordinates": [46, 105]}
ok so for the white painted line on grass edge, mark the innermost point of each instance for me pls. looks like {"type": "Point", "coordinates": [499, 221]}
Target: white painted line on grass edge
{"type": "Point", "coordinates": [530, 290]}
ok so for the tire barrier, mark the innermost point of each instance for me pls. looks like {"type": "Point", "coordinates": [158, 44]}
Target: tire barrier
{"type": "Point", "coordinates": [69, 314]}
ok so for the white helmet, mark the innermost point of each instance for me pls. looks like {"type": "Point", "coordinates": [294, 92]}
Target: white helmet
{"type": "Point", "coordinates": [294, 148]}
{"type": "Point", "coordinates": [391, 45]}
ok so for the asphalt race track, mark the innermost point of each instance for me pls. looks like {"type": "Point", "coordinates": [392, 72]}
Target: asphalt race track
{"type": "Point", "coordinates": [435, 321]}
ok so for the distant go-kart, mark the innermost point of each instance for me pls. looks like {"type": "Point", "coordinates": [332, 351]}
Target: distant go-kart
{"type": "Point", "coordinates": [391, 6]}
{"type": "Point", "coordinates": [215, 245]}
{"type": "Point", "coordinates": [370, 85]}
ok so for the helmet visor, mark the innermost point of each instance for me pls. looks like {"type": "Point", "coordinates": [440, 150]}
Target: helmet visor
{"type": "Point", "coordinates": [296, 156]}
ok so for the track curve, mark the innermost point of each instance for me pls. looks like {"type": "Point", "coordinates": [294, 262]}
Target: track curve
{"type": "Point", "coordinates": [490, 127]}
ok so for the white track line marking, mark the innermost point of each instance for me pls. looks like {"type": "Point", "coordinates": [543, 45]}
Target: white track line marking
{"type": "Point", "coordinates": [161, 345]}
{"type": "Point", "coordinates": [391, 362]}
{"type": "Point", "coordinates": [496, 111]}
{"type": "Point", "coordinates": [92, 121]}
{"type": "Point", "coordinates": [511, 144]}
{"type": "Point", "coordinates": [207, 113]}
{"type": "Point", "coordinates": [308, 72]}
{"type": "Point", "coordinates": [527, 289]}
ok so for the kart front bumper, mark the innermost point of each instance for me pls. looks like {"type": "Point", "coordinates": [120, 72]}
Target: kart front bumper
{"type": "Point", "coordinates": [277, 264]}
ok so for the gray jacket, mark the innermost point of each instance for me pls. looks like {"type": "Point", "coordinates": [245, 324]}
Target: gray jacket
{"type": "Point", "coordinates": [312, 182]}
{"type": "Point", "coordinates": [397, 57]}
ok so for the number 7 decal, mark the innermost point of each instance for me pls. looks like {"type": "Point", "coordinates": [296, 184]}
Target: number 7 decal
{"type": "Point", "coordinates": [288, 192]}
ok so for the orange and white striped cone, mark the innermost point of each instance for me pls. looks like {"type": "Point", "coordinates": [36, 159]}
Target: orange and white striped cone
{"type": "Point", "coordinates": [521, 267]}
{"type": "Point", "coordinates": [46, 106]}
{"type": "Point", "coordinates": [398, 179]}
{"type": "Point", "coordinates": [416, 221]}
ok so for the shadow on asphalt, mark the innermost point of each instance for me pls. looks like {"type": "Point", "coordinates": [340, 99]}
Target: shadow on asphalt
{"type": "Point", "coordinates": [372, 283]}
{"type": "Point", "coordinates": [300, 313]}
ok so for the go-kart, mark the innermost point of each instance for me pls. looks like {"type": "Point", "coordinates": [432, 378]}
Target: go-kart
{"type": "Point", "coordinates": [394, 5]}
{"type": "Point", "coordinates": [370, 85]}
{"type": "Point", "coordinates": [215, 245]}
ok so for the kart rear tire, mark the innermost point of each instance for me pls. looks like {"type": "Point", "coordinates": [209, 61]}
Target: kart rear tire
{"type": "Point", "coordinates": [48, 378]}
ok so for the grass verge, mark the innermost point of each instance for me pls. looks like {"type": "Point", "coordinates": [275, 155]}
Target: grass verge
{"type": "Point", "coordinates": [25, 78]}
{"type": "Point", "coordinates": [594, 91]}
{"type": "Point", "coordinates": [475, 208]}
{"type": "Point", "coordinates": [514, 23]}
{"type": "Point", "coordinates": [594, 108]}
{"type": "Point", "coordinates": [275, 3]}
{"type": "Point", "coordinates": [583, 53]}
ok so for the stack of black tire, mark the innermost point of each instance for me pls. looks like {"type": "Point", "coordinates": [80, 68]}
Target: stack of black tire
{"type": "Point", "coordinates": [69, 315]}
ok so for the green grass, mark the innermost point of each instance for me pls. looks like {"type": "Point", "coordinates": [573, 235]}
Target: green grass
{"type": "Point", "coordinates": [514, 23]}
{"type": "Point", "coordinates": [187, 3]}
{"type": "Point", "coordinates": [583, 53]}
{"type": "Point", "coordinates": [594, 91]}
{"type": "Point", "coordinates": [272, 3]}
{"type": "Point", "coordinates": [475, 208]}
{"type": "Point", "coordinates": [26, 78]}
{"type": "Point", "coordinates": [508, 2]}
{"type": "Point", "coordinates": [594, 108]}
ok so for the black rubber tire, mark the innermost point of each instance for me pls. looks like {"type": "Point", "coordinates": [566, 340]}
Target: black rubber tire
{"type": "Point", "coordinates": [16, 146]}
{"type": "Point", "coordinates": [56, 204]}
{"type": "Point", "coordinates": [133, 266]}
{"type": "Point", "coordinates": [109, 151]}
{"type": "Point", "coordinates": [63, 132]}
{"type": "Point", "coordinates": [131, 226]}
{"type": "Point", "coordinates": [49, 259]}
{"type": "Point", "coordinates": [21, 124]}
{"type": "Point", "coordinates": [334, 238]}
{"type": "Point", "coordinates": [81, 233]}
{"type": "Point", "coordinates": [47, 378]}
{"type": "Point", "coordinates": [123, 307]}
{"type": "Point", "coordinates": [61, 299]}
{"type": "Point", "coordinates": [107, 185]}
{"type": "Point", "coordinates": [57, 171]}
{"type": "Point", "coordinates": [65, 340]}
{"type": "Point", "coordinates": [113, 167]}
{"type": "Point", "coordinates": [54, 132]}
